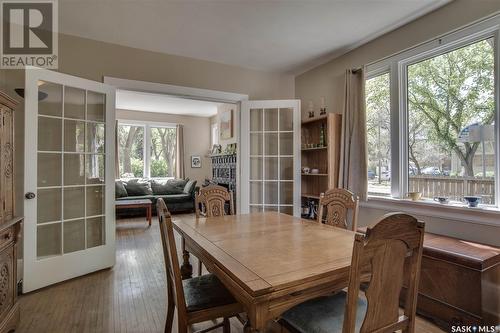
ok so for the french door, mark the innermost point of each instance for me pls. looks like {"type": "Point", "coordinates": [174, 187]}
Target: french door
{"type": "Point", "coordinates": [69, 225]}
{"type": "Point", "coordinates": [270, 155]}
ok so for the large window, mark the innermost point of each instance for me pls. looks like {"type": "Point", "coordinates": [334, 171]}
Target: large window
{"type": "Point", "coordinates": [451, 114]}
{"type": "Point", "coordinates": [446, 142]}
{"type": "Point", "coordinates": [134, 140]}
{"type": "Point", "coordinates": [378, 118]}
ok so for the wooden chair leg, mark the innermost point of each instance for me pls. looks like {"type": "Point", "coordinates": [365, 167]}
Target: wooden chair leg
{"type": "Point", "coordinates": [182, 327]}
{"type": "Point", "coordinates": [226, 328]}
{"type": "Point", "coordinates": [200, 268]}
{"type": "Point", "coordinates": [170, 317]}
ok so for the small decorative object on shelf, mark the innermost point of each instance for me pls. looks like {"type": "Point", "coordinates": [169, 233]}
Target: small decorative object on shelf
{"type": "Point", "coordinates": [216, 149]}
{"type": "Point", "coordinates": [441, 200]}
{"type": "Point", "coordinates": [322, 109]}
{"type": "Point", "coordinates": [309, 211]}
{"type": "Point", "coordinates": [310, 109]}
{"type": "Point", "coordinates": [415, 196]}
{"type": "Point", "coordinates": [472, 200]}
{"type": "Point", "coordinates": [322, 135]}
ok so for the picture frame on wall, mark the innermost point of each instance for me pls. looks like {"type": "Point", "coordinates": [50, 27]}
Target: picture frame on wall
{"type": "Point", "coordinates": [226, 124]}
{"type": "Point", "coordinates": [195, 161]}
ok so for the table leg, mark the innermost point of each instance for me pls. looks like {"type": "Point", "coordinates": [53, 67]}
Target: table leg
{"type": "Point", "coordinates": [248, 328]}
{"type": "Point", "coordinates": [149, 214]}
{"type": "Point", "coordinates": [186, 268]}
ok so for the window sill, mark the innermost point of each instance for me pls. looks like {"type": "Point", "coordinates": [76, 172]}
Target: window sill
{"type": "Point", "coordinates": [487, 215]}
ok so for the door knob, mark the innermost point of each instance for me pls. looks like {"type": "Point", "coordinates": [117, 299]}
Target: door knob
{"type": "Point", "coordinates": [30, 195]}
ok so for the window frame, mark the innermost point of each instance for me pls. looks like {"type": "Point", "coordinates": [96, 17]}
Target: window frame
{"type": "Point", "coordinates": [397, 65]}
{"type": "Point", "coordinates": [147, 125]}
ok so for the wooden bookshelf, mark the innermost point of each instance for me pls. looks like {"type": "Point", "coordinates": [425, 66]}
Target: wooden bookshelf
{"type": "Point", "coordinates": [325, 158]}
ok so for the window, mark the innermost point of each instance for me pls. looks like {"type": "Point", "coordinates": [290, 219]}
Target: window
{"type": "Point", "coordinates": [131, 150]}
{"type": "Point", "coordinates": [163, 149]}
{"type": "Point", "coordinates": [135, 139]}
{"type": "Point", "coordinates": [445, 144]}
{"type": "Point", "coordinates": [378, 117]}
{"type": "Point", "coordinates": [451, 114]}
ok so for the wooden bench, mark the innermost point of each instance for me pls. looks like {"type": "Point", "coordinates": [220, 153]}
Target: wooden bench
{"type": "Point", "coordinates": [459, 282]}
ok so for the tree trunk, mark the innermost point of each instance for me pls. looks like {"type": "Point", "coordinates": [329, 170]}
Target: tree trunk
{"type": "Point", "coordinates": [127, 163]}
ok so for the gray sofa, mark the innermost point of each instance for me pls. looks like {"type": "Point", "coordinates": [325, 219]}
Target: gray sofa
{"type": "Point", "coordinates": [177, 193]}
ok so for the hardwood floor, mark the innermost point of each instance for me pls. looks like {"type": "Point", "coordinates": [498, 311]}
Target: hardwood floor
{"type": "Point", "coordinates": [130, 297]}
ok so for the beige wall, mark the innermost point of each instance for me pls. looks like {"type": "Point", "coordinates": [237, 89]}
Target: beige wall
{"type": "Point", "coordinates": [328, 80]}
{"type": "Point", "coordinates": [93, 60]}
{"type": "Point", "coordinates": [216, 120]}
{"type": "Point", "coordinates": [196, 137]}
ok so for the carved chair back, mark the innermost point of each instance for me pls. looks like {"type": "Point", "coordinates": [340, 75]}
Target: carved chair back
{"type": "Point", "coordinates": [389, 252]}
{"type": "Point", "coordinates": [213, 198]}
{"type": "Point", "coordinates": [337, 202]}
{"type": "Point", "coordinates": [175, 289]}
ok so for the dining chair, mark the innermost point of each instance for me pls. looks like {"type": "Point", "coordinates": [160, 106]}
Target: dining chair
{"type": "Point", "coordinates": [197, 299]}
{"type": "Point", "coordinates": [336, 203]}
{"type": "Point", "coordinates": [213, 200]}
{"type": "Point", "coordinates": [387, 257]}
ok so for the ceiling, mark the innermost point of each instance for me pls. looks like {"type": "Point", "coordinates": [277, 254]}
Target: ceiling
{"type": "Point", "coordinates": [142, 101]}
{"type": "Point", "coordinates": [279, 36]}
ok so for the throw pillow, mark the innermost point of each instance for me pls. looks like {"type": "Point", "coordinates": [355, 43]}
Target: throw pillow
{"type": "Point", "coordinates": [137, 187]}
{"type": "Point", "coordinates": [189, 188]}
{"type": "Point", "coordinates": [120, 190]}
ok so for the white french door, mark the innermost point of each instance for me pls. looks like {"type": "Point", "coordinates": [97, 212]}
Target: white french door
{"type": "Point", "coordinates": [69, 225]}
{"type": "Point", "coordinates": [270, 156]}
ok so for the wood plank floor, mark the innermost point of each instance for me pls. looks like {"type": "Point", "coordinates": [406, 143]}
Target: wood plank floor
{"type": "Point", "coordinates": [130, 297]}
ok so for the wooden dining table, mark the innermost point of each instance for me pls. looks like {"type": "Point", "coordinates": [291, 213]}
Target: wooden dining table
{"type": "Point", "coordinates": [269, 261]}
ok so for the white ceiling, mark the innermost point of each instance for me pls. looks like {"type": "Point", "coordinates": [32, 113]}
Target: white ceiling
{"type": "Point", "coordinates": [142, 101]}
{"type": "Point", "coordinates": [280, 36]}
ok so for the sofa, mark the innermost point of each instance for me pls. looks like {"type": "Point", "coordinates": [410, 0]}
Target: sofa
{"type": "Point", "coordinates": [178, 193]}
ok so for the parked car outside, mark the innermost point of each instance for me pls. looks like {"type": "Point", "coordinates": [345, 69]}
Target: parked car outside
{"type": "Point", "coordinates": [433, 171]}
{"type": "Point", "coordinates": [386, 175]}
{"type": "Point", "coordinates": [371, 175]}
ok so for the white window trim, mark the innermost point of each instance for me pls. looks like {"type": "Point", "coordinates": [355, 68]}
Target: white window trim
{"type": "Point", "coordinates": [396, 65]}
{"type": "Point", "coordinates": [147, 125]}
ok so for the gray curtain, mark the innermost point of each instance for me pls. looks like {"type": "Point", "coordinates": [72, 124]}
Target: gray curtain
{"type": "Point", "coordinates": [117, 158]}
{"type": "Point", "coordinates": [179, 157]}
{"type": "Point", "coordinates": [353, 155]}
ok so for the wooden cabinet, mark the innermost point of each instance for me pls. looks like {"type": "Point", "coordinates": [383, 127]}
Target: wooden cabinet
{"type": "Point", "coordinates": [9, 223]}
{"type": "Point", "coordinates": [459, 282]}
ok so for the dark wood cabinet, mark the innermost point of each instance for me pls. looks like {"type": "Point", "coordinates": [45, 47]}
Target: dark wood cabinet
{"type": "Point", "coordinates": [9, 223]}
{"type": "Point", "coordinates": [459, 282]}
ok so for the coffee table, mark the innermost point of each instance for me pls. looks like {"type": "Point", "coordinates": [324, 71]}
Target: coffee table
{"type": "Point", "coordinates": [141, 203]}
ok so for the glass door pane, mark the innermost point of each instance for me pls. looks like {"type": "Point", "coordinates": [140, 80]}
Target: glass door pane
{"type": "Point", "coordinates": [70, 171]}
{"type": "Point", "coordinates": [270, 174]}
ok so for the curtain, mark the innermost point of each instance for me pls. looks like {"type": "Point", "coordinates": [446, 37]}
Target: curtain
{"type": "Point", "coordinates": [353, 155]}
{"type": "Point", "coordinates": [117, 158]}
{"type": "Point", "coordinates": [179, 157]}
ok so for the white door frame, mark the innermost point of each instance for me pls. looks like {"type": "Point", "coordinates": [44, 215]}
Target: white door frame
{"type": "Point", "coordinates": [191, 93]}
{"type": "Point", "coordinates": [245, 148]}
{"type": "Point", "coordinates": [42, 272]}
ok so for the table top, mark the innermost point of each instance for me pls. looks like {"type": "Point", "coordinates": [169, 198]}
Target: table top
{"type": "Point", "coordinates": [270, 251]}
{"type": "Point", "coordinates": [138, 202]}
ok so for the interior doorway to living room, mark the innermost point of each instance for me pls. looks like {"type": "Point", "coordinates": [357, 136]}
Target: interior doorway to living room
{"type": "Point", "coordinates": [169, 146]}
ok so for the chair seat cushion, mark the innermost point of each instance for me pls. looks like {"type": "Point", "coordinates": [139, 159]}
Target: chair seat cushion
{"type": "Point", "coordinates": [323, 314]}
{"type": "Point", "coordinates": [204, 292]}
